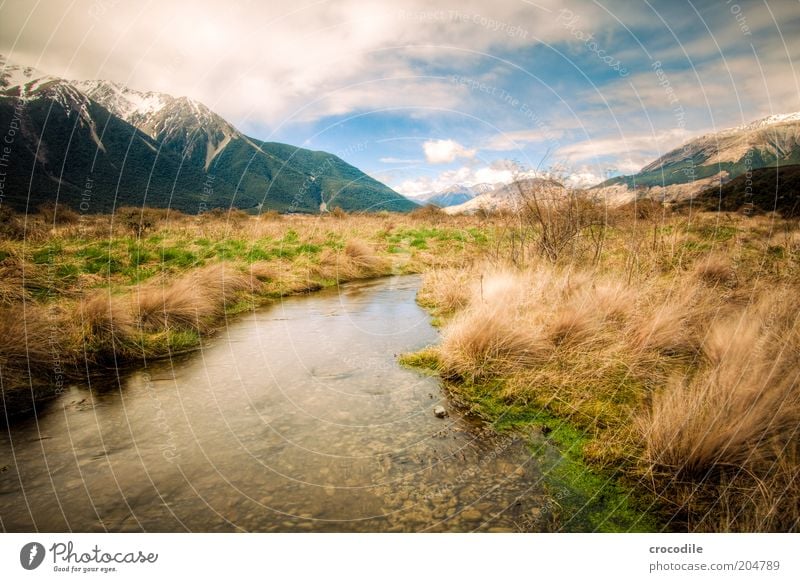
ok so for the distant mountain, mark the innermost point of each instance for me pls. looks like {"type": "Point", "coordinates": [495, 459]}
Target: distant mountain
{"type": "Point", "coordinates": [504, 197]}
{"type": "Point", "coordinates": [765, 190]}
{"type": "Point", "coordinates": [711, 160]}
{"type": "Point", "coordinates": [454, 195]}
{"type": "Point", "coordinates": [98, 145]}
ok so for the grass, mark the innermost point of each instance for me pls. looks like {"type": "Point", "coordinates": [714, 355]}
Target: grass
{"type": "Point", "coordinates": [677, 366]}
{"type": "Point", "coordinates": [658, 351]}
{"type": "Point", "coordinates": [82, 293]}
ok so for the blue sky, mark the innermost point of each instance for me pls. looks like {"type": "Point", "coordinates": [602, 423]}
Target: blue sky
{"type": "Point", "coordinates": [424, 94]}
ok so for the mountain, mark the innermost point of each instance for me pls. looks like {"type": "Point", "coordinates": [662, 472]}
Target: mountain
{"type": "Point", "coordinates": [764, 190]}
{"type": "Point", "coordinates": [711, 160]}
{"type": "Point", "coordinates": [454, 195]}
{"type": "Point", "coordinates": [97, 145]}
{"type": "Point", "coordinates": [504, 197]}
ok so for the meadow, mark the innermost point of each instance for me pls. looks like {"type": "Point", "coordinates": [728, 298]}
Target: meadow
{"type": "Point", "coordinates": [658, 348]}
{"type": "Point", "coordinates": [88, 294]}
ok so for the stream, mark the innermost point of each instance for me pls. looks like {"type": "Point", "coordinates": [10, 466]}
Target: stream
{"type": "Point", "coordinates": [295, 417]}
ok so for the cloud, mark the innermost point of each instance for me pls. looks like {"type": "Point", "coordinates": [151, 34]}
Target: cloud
{"type": "Point", "coordinates": [444, 151]}
{"type": "Point", "coordinates": [498, 172]}
{"type": "Point", "coordinates": [630, 152]}
{"type": "Point", "coordinates": [264, 61]}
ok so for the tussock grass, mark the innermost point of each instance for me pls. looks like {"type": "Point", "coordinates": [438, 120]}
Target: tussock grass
{"type": "Point", "coordinates": [32, 341]}
{"type": "Point", "coordinates": [146, 282]}
{"type": "Point", "coordinates": [677, 353]}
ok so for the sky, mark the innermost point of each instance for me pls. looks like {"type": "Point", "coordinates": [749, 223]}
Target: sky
{"type": "Point", "coordinates": [424, 94]}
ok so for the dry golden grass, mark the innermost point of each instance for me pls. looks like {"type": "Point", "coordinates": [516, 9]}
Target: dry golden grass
{"type": "Point", "coordinates": [107, 319]}
{"type": "Point", "coordinates": [364, 257]}
{"type": "Point", "coordinates": [715, 269]}
{"type": "Point", "coordinates": [446, 290]}
{"type": "Point", "coordinates": [32, 338]}
{"type": "Point", "coordinates": [735, 423]}
{"type": "Point", "coordinates": [685, 370]}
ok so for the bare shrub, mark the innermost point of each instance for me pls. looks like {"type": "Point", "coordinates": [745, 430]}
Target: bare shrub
{"type": "Point", "coordinates": [554, 217]}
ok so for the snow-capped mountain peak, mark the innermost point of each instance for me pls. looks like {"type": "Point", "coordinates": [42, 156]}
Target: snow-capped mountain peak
{"type": "Point", "coordinates": [174, 121]}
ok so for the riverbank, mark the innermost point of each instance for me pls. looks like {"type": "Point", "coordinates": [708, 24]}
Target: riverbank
{"type": "Point", "coordinates": [85, 294]}
{"type": "Point", "coordinates": [666, 360]}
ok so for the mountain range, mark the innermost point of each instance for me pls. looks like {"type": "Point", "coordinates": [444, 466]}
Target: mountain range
{"type": "Point", "coordinates": [454, 195]}
{"type": "Point", "coordinates": [699, 168]}
{"type": "Point", "coordinates": [98, 145]}
{"type": "Point", "coordinates": [711, 160]}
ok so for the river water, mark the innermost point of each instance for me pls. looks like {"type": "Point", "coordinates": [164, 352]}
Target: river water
{"type": "Point", "coordinates": [296, 417]}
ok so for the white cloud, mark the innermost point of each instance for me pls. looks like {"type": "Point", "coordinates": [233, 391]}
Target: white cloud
{"type": "Point", "coordinates": [264, 61]}
{"type": "Point", "coordinates": [444, 151]}
{"type": "Point", "coordinates": [630, 152]}
{"type": "Point", "coordinates": [498, 172]}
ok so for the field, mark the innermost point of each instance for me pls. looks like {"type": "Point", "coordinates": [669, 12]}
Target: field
{"type": "Point", "coordinates": [659, 351]}
{"type": "Point", "coordinates": [86, 294]}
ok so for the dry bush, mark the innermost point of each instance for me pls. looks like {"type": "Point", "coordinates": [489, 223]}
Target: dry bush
{"type": "Point", "coordinates": [262, 271]}
{"type": "Point", "coordinates": [32, 337]}
{"type": "Point", "coordinates": [643, 209]}
{"type": "Point", "coordinates": [338, 212]}
{"type": "Point", "coordinates": [429, 212]}
{"type": "Point", "coordinates": [178, 304]}
{"type": "Point", "coordinates": [194, 301]}
{"type": "Point", "coordinates": [223, 283]}
{"type": "Point", "coordinates": [664, 327]}
{"type": "Point", "coordinates": [270, 215]}
{"type": "Point", "coordinates": [554, 218]}
{"type": "Point", "coordinates": [106, 319]}
{"type": "Point", "coordinates": [11, 227]}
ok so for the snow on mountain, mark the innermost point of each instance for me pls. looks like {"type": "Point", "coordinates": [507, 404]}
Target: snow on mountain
{"type": "Point", "coordinates": [772, 136]}
{"type": "Point", "coordinates": [181, 122]}
{"type": "Point", "coordinates": [29, 84]}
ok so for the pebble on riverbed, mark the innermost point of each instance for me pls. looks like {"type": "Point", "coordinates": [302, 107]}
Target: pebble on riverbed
{"type": "Point", "coordinates": [439, 411]}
